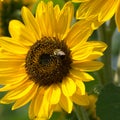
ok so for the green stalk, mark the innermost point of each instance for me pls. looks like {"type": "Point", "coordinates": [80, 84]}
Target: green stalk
{"type": "Point", "coordinates": [105, 33]}
{"type": "Point", "coordinates": [80, 113]}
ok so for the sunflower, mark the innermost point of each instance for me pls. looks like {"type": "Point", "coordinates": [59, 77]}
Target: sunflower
{"type": "Point", "coordinates": [101, 10]}
{"type": "Point", "coordinates": [46, 60]}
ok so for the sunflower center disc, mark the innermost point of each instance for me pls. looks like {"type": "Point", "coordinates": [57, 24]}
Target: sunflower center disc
{"type": "Point", "coordinates": [48, 61]}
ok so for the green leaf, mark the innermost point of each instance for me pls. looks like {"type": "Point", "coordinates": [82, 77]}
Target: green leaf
{"type": "Point", "coordinates": [115, 48]}
{"type": "Point", "coordinates": [93, 86]}
{"type": "Point", "coordinates": [7, 114]}
{"type": "Point", "coordinates": [108, 104]}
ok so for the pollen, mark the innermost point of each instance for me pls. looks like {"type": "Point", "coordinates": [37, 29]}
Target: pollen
{"type": "Point", "coordinates": [48, 61]}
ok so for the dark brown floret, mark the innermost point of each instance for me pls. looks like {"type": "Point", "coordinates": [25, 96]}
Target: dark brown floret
{"type": "Point", "coordinates": [48, 61]}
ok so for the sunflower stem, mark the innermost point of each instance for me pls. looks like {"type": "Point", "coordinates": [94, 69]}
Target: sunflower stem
{"type": "Point", "coordinates": [105, 33]}
{"type": "Point", "coordinates": [80, 113]}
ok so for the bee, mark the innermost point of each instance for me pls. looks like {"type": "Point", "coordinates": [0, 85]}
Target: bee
{"type": "Point", "coordinates": [59, 52]}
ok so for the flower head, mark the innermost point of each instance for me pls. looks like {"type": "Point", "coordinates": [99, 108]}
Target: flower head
{"type": "Point", "coordinates": [45, 60]}
{"type": "Point", "coordinates": [101, 10]}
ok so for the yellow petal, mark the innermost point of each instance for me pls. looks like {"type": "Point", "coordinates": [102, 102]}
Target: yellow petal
{"type": "Point", "coordinates": [7, 56]}
{"type": "Point", "coordinates": [6, 101]}
{"type": "Point", "coordinates": [9, 45]}
{"type": "Point", "coordinates": [10, 63]}
{"type": "Point", "coordinates": [68, 86]}
{"type": "Point", "coordinates": [11, 40]}
{"type": "Point", "coordinates": [81, 52]}
{"type": "Point", "coordinates": [94, 55]}
{"type": "Point", "coordinates": [41, 17]}
{"type": "Point", "coordinates": [77, 1]}
{"type": "Point", "coordinates": [78, 36]}
{"type": "Point", "coordinates": [18, 92]}
{"type": "Point", "coordinates": [51, 22]}
{"type": "Point", "coordinates": [42, 106]}
{"type": "Point", "coordinates": [98, 45]}
{"type": "Point", "coordinates": [14, 77]}
{"type": "Point", "coordinates": [66, 103]}
{"type": "Point", "coordinates": [80, 99]}
{"type": "Point", "coordinates": [39, 118]}
{"type": "Point", "coordinates": [12, 71]}
{"type": "Point", "coordinates": [45, 11]}
{"type": "Point", "coordinates": [31, 111]}
{"type": "Point", "coordinates": [64, 21]}
{"type": "Point", "coordinates": [57, 11]}
{"type": "Point", "coordinates": [36, 103]}
{"type": "Point", "coordinates": [81, 86]}
{"type": "Point", "coordinates": [54, 94]}
{"type": "Point", "coordinates": [98, 49]}
{"type": "Point", "coordinates": [90, 9]}
{"type": "Point", "coordinates": [13, 82]}
{"type": "Point", "coordinates": [57, 108]}
{"type": "Point", "coordinates": [45, 110]}
{"type": "Point", "coordinates": [25, 99]}
{"type": "Point", "coordinates": [108, 10]}
{"type": "Point", "coordinates": [81, 75]}
{"type": "Point", "coordinates": [21, 33]}
{"type": "Point", "coordinates": [88, 66]}
{"type": "Point", "coordinates": [31, 23]}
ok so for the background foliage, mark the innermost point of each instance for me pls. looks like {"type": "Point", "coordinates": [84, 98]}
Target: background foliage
{"type": "Point", "coordinates": [105, 87]}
